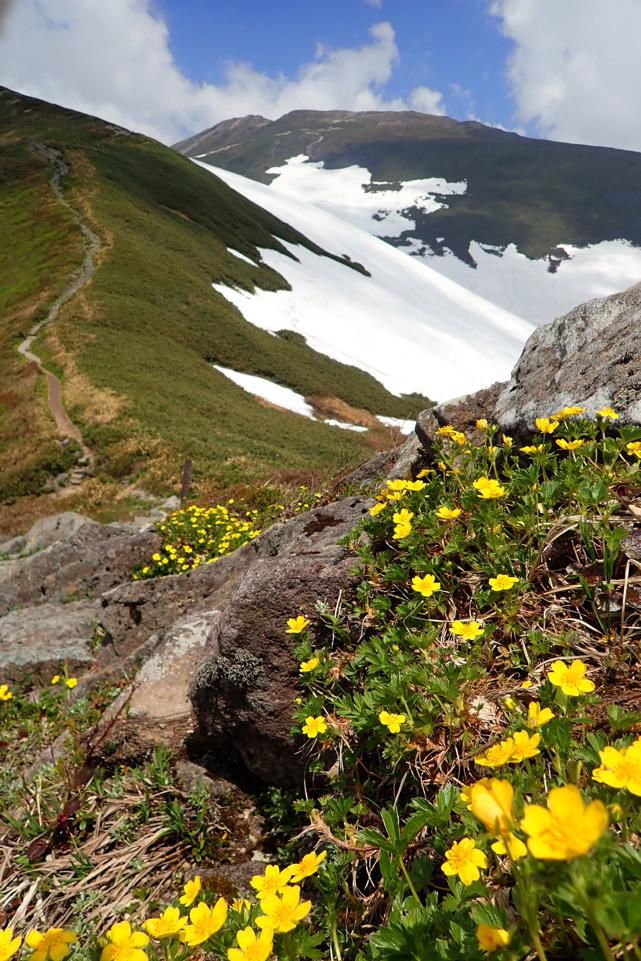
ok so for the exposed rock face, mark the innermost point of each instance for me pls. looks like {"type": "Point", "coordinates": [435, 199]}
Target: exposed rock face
{"type": "Point", "coordinates": [243, 693]}
{"type": "Point", "coordinates": [463, 412]}
{"type": "Point", "coordinates": [589, 357]}
{"type": "Point", "coordinates": [161, 685]}
{"type": "Point", "coordinates": [92, 560]}
{"type": "Point", "coordinates": [46, 637]}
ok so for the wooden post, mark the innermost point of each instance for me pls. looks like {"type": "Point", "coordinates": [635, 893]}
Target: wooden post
{"type": "Point", "coordinates": [186, 481]}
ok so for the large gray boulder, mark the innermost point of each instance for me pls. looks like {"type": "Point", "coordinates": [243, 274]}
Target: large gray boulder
{"type": "Point", "coordinates": [589, 357]}
{"type": "Point", "coordinates": [244, 691]}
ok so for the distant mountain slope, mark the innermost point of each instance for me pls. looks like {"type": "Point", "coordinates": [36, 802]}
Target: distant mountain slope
{"type": "Point", "coordinates": [534, 225]}
{"type": "Point", "coordinates": [403, 322]}
{"type": "Point", "coordinates": [135, 349]}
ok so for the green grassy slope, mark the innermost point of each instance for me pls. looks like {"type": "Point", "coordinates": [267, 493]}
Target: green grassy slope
{"type": "Point", "coordinates": [534, 193]}
{"type": "Point", "coordinates": [136, 347]}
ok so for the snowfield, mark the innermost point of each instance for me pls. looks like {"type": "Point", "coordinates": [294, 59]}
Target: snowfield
{"type": "Point", "coordinates": [507, 278]}
{"type": "Point", "coordinates": [409, 326]}
{"type": "Point", "coordinates": [350, 193]}
{"type": "Point", "coordinates": [284, 397]}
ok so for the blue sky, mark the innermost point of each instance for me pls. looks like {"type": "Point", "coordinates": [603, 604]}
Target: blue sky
{"type": "Point", "coordinates": [455, 46]}
{"type": "Point", "coordinates": [564, 69]}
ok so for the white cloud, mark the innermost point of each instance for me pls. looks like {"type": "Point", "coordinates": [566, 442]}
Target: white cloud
{"type": "Point", "coordinates": [575, 70]}
{"type": "Point", "coordinates": [113, 59]}
{"type": "Point", "coordinates": [374, 3]}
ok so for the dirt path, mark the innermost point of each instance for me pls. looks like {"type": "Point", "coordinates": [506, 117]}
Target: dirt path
{"type": "Point", "coordinates": [79, 279]}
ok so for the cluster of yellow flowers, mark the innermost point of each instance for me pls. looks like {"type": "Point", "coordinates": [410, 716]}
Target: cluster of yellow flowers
{"type": "Point", "coordinates": [199, 535]}
{"type": "Point", "coordinates": [280, 910]}
{"type": "Point", "coordinates": [566, 829]}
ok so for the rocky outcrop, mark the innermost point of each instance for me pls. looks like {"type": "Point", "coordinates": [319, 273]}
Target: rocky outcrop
{"type": "Point", "coordinates": [40, 640]}
{"type": "Point", "coordinates": [243, 695]}
{"type": "Point", "coordinates": [92, 560]}
{"type": "Point", "coordinates": [589, 357]}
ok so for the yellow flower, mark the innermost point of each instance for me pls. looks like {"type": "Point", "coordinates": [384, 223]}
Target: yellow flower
{"type": "Point", "coordinates": [8, 944]}
{"type": "Point", "coordinates": [481, 423]}
{"type": "Point", "coordinates": [502, 582]}
{"type": "Point", "coordinates": [55, 944]}
{"type": "Point", "coordinates": [469, 631]}
{"type": "Point", "coordinates": [252, 948]}
{"type": "Point", "coordinates": [310, 665]}
{"type": "Point", "coordinates": [425, 472]}
{"type": "Point", "coordinates": [491, 939]}
{"type": "Point", "coordinates": [308, 865]}
{"type": "Point", "coordinates": [397, 485]}
{"type": "Point", "coordinates": [508, 441]}
{"type": "Point", "coordinates": [273, 881]}
{"type": "Point", "coordinates": [403, 516]}
{"type": "Point", "coordinates": [124, 944]}
{"type": "Point", "coordinates": [192, 890]}
{"type": "Point", "coordinates": [456, 435]}
{"type": "Point", "coordinates": [71, 682]}
{"type": "Point", "coordinates": [240, 904]}
{"type": "Point", "coordinates": [488, 488]}
{"type": "Point", "coordinates": [403, 521]}
{"type": "Point", "coordinates": [416, 485]}
{"type": "Point", "coordinates": [314, 726]}
{"type": "Point", "coordinates": [448, 513]}
{"type": "Point", "coordinates": [567, 412]}
{"type": "Point", "coordinates": [296, 625]}
{"type": "Point", "coordinates": [545, 425]}
{"type": "Point", "coordinates": [283, 914]}
{"type": "Point", "coordinates": [571, 679]}
{"type": "Point", "coordinates": [5, 693]}
{"type": "Point", "coordinates": [464, 860]}
{"type": "Point", "coordinates": [634, 447]}
{"type": "Point", "coordinates": [608, 414]}
{"type": "Point", "coordinates": [511, 846]}
{"type": "Point", "coordinates": [532, 449]}
{"type": "Point", "coordinates": [56, 679]}
{"type": "Point", "coordinates": [525, 746]}
{"type": "Point", "coordinates": [426, 585]}
{"type": "Point", "coordinates": [169, 923]}
{"type": "Point", "coordinates": [537, 716]}
{"type": "Point", "coordinates": [567, 828]}
{"type": "Point", "coordinates": [204, 922]}
{"type": "Point", "coordinates": [620, 768]}
{"type": "Point", "coordinates": [509, 702]}
{"type": "Point", "coordinates": [393, 722]}
{"type": "Point", "coordinates": [527, 684]}
{"type": "Point", "coordinates": [377, 508]}
{"type": "Point", "coordinates": [491, 801]}
{"type": "Point", "coordinates": [569, 444]}
{"type": "Point", "coordinates": [497, 755]}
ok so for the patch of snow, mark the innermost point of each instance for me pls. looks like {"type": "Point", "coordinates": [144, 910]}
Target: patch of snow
{"type": "Point", "coordinates": [237, 253]}
{"type": "Point", "coordinates": [527, 287]}
{"type": "Point", "coordinates": [384, 211]}
{"type": "Point", "coordinates": [269, 391]}
{"type": "Point", "coordinates": [409, 326]}
{"type": "Point", "coordinates": [344, 426]}
{"type": "Point", "coordinates": [405, 426]}
{"type": "Point", "coordinates": [281, 396]}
